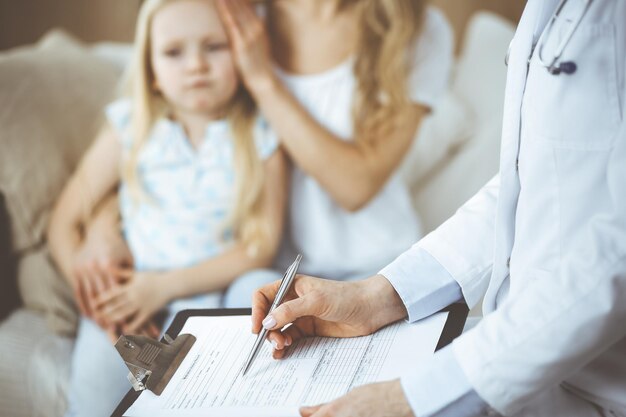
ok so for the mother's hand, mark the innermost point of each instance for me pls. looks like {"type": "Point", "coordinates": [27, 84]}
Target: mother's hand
{"type": "Point", "coordinates": [318, 307]}
{"type": "Point", "coordinates": [249, 43]}
{"type": "Point", "coordinates": [103, 252]}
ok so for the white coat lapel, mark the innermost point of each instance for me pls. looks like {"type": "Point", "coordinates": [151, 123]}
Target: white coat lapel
{"type": "Point", "coordinates": [534, 19]}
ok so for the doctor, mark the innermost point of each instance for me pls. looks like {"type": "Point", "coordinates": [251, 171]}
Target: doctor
{"type": "Point", "coordinates": [544, 242]}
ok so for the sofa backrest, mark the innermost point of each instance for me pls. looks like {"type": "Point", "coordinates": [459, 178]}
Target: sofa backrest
{"type": "Point", "coordinates": [52, 98]}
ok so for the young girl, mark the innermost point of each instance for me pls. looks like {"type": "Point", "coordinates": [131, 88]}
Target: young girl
{"type": "Point", "coordinates": [202, 191]}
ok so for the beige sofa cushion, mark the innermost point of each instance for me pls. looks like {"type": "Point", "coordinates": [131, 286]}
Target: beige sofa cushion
{"type": "Point", "coordinates": [34, 367]}
{"type": "Point", "coordinates": [52, 99]}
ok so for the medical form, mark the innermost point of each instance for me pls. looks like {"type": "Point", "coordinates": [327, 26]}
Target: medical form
{"type": "Point", "coordinates": [317, 370]}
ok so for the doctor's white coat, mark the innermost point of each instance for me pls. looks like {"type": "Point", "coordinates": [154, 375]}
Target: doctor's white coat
{"type": "Point", "coordinates": [546, 238]}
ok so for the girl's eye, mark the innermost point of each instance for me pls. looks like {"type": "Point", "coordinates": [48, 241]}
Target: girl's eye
{"type": "Point", "coordinates": [173, 53]}
{"type": "Point", "coordinates": [215, 47]}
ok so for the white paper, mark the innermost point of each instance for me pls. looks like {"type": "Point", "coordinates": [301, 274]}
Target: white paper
{"type": "Point", "coordinates": [317, 370]}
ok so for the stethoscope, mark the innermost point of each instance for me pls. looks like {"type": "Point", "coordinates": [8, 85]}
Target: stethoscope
{"type": "Point", "coordinates": [555, 66]}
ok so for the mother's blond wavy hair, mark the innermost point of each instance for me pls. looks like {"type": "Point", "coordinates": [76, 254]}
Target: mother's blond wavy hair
{"type": "Point", "coordinates": [387, 32]}
{"type": "Point", "coordinates": [148, 105]}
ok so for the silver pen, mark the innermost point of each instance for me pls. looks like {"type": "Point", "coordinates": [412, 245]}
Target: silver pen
{"type": "Point", "coordinates": [285, 285]}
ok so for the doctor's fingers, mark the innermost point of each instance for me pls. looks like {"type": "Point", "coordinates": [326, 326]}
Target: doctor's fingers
{"type": "Point", "coordinates": [282, 340]}
{"type": "Point", "coordinates": [262, 300]}
{"type": "Point", "coordinates": [325, 410]}
{"type": "Point", "coordinates": [307, 305]}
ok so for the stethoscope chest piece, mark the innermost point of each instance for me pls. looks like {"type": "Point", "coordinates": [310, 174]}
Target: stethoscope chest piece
{"type": "Point", "coordinates": [568, 67]}
{"type": "Point", "coordinates": [555, 66]}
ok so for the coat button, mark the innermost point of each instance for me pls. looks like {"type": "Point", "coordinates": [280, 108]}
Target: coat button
{"type": "Point", "coordinates": [508, 263]}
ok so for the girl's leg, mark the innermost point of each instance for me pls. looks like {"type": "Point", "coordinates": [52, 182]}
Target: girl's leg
{"type": "Point", "coordinates": [98, 377]}
{"type": "Point", "coordinates": [239, 293]}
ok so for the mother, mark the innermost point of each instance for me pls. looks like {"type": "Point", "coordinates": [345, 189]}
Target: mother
{"type": "Point", "coordinates": [345, 84]}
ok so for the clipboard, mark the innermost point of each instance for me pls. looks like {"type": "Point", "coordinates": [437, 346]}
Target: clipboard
{"type": "Point", "coordinates": [451, 330]}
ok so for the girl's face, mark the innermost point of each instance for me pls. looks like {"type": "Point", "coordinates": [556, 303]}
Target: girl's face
{"type": "Point", "coordinates": [191, 59]}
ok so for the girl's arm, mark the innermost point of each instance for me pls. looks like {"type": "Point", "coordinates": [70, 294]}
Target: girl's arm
{"type": "Point", "coordinates": [351, 172]}
{"type": "Point", "coordinates": [218, 272]}
{"type": "Point", "coordinates": [96, 176]}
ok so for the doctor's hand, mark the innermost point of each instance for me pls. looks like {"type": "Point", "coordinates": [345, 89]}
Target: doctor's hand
{"type": "Point", "coordinates": [381, 399]}
{"type": "Point", "coordinates": [319, 307]}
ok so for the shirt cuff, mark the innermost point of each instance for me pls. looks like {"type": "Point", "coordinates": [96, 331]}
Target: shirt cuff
{"type": "Point", "coordinates": [422, 283]}
{"type": "Point", "coordinates": [439, 388]}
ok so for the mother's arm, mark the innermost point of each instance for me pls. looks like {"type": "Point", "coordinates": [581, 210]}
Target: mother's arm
{"type": "Point", "coordinates": [76, 249]}
{"type": "Point", "coordinates": [351, 172]}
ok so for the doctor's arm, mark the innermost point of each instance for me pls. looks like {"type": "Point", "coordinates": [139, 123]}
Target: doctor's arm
{"type": "Point", "coordinates": [416, 284]}
{"type": "Point", "coordinates": [451, 263]}
{"type": "Point", "coordinates": [562, 320]}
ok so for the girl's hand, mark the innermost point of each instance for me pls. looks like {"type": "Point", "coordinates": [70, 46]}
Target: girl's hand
{"type": "Point", "coordinates": [132, 303]}
{"type": "Point", "coordinates": [249, 43]}
{"type": "Point", "coordinates": [319, 307]}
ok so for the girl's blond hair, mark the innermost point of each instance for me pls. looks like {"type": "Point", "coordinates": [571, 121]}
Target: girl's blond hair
{"type": "Point", "coordinates": [148, 105]}
{"type": "Point", "coordinates": [387, 32]}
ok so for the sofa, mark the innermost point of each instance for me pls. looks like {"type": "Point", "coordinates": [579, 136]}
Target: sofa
{"type": "Point", "coordinates": [51, 99]}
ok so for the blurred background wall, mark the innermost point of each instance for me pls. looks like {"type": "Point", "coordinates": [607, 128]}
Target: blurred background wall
{"type": "Point", "coordinates": [24, 21]}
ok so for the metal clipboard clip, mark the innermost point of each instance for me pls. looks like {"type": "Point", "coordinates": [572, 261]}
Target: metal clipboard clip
{"type": "Point", "coordinates": [152, 363]}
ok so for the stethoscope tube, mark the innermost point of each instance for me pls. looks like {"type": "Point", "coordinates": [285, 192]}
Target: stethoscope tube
{"type": "Point", "coordinates": [555, 66]}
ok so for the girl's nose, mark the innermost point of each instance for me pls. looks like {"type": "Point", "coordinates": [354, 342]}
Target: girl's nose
{"type": "Point", "coordinates": [197, 62]}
